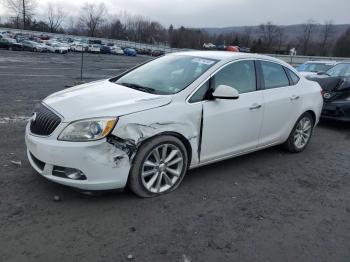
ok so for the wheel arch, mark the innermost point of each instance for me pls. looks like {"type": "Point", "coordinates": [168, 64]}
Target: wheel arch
{"type": "Point", "coordinates": [181, 137]}
{"type": "Point", "coordinates": [313, 114]}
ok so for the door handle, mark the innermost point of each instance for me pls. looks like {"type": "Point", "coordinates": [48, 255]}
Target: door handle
{"type": "Point", "coordinates": [255, 106]}
{"type": "Point", "coordinates": [294, 97]}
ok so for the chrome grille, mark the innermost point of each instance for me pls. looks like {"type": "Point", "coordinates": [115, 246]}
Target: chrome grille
{"type": "Point", "coordinates": [44, 121]}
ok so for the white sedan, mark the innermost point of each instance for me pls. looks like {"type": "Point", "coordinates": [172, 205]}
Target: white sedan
{"type": "Point", "coordinates": [145, 128]}
{"type": "Point", "coordinates": [116, 50]}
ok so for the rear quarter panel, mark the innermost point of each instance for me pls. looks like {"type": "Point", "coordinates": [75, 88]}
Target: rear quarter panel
{"type": "Point", "coordinates": [312, 99]}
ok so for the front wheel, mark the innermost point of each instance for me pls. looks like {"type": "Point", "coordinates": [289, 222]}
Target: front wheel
{"type": "Point", "coordinates": [301, 134]}
{"type": "Point", "coordinates": [159, 167]}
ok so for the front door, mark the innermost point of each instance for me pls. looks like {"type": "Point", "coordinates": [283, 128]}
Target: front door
{"type": "Point", "coordinates": [232, 126]}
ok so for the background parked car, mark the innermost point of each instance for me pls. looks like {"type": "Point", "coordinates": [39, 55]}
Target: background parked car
{"type": "Point", "coordinates": [116, 50]}
{"type": "Point", "coordinates": [79, 47]}
{"type": "Point", "coordinates": [10, 44]}
{"type": "Point", "coordinates": [104, 49]}
{"type": "Point", "coordinates": [209, 46]}
{"type": "Point", "coordinates": [244, 49]}
{"type": "Point", "coordinates": [232, 48]}
{"type": "Point", "coordinates": [313, 67]}
{"type": "Point", "coordinates": [94, 48]}
{"type": "Point", "coordinates": [130, 52]}
{"type": "Point", "coordinates": [44, 37]}
{"type": "Point", "coordinates": [221, 47]}
{"type": "Point", "coordinates": [33, 46]}
{"type": "Point", "coordinates": [335, 84]}
{"type": "Point", "coordinates": [58, 48]}
{"type": "Point", "coordinates": [157, 53]}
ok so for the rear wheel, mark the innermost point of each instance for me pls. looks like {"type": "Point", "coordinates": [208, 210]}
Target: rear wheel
{"type": "Point", "coordinates": [301, 134]}
{"type": "Point", "coordinates": [159, 167]}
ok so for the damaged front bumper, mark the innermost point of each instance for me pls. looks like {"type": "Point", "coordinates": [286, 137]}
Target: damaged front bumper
{"type": "Point", "coordinates": [101, 165]}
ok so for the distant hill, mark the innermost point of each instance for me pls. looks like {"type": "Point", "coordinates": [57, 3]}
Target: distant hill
{"type": "Point", "coordinates": [291, 32]}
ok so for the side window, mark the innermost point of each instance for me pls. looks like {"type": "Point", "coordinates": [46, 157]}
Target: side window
{"type": "Point", "coordinates": [295, 79]}
{"type": "Point", "coordinates": [274, 75]}
{"type": "Point", "coordinates": [240, 75]}
{"type": "Point", "coordinates": [199, 95]}
{"type": "Point", "coordinates": [347, 72]}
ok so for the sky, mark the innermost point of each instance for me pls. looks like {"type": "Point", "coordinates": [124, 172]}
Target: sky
{"type": "Point", "coordinates": [218, 13]}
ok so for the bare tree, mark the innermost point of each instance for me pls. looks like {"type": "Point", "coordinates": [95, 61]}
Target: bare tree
{"type": "Point", "coordinates": [269, 33]}
{"type": "Point", "coordinates": [55, 16]}
{"type": "Point", "coordinates": [117, 29]}
{"type": "Point", "coordinates": [22, 10]}
{"type": "Point", "coordinates": [280, 37]}
{"type": "Point", "coordinates": [342, 45]}
{"type": "Point", "coordinates": [327, 32]}
{"type": "Point", "coordinates": [247, 36]}
{"type": "Point", "coordinates": [308, 29]}
{"type": "Point", "coordinates": [15, 9]}
{"type": "Point", "coordinates": [92, 16]}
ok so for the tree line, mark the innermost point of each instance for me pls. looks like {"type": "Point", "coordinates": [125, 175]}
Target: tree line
{"type": "Point", "coordinates": [94, 21]}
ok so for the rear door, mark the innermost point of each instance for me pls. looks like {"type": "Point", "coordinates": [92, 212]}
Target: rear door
{"type": "Point", "coordinates": [281, 101]}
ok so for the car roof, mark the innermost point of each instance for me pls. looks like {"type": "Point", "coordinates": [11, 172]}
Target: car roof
{"type": "Point", "coordinates": [228, 56]}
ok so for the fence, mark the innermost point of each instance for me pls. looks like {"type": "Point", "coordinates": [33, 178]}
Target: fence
{"type": "Point", "coordinates": [297, 60]}
{"type": "Point", "coordinates": [293, 60]}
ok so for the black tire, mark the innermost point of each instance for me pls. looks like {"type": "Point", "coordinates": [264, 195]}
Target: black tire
{"type": "Point", "coordinates": [135, 181]}
{"type": "Point", "coordinates": [290, 144]}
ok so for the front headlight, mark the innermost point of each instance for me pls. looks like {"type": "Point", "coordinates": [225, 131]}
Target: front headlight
{"type": "Point", "coordinates": [88, 129]}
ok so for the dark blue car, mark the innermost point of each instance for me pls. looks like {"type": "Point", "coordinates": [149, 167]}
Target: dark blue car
{"type": "Point", "coordinates": [130, 52]}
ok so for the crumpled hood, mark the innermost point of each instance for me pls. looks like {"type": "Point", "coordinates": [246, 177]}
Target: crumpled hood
{"type": "Point", "coordinates": [329, 83]}
{"type": "Point", "coordinates": [102, 98]}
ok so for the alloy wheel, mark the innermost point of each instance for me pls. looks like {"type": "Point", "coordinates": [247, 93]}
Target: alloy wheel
{"type": "Point", "coordinates": [162, 168]}
{"type": "Point", "coordinates": [302, 132]}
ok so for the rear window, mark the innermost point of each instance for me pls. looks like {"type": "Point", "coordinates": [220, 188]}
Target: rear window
{"type": "Point", "coordinates": [274, 75]}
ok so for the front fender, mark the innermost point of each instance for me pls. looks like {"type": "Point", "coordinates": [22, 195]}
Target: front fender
{"type": "Point", "coordinates": [180, 118]}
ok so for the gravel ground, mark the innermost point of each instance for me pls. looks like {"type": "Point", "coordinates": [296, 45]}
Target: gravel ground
{"type": "Point", "coordinates": [266, 206]}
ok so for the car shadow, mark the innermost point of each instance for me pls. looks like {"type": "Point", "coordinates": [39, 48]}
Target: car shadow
{"type": "Point", "coordinates": [335, 125]}
{"type": "Point", "coordinates": [195, 178]}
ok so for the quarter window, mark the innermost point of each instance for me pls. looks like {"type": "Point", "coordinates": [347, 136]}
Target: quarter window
{"type": "Point", "coordinates": [295, 79]}
{"type": "Point", "coordinates": [199, 95]}
{"type": "Point", "coordinates": [274, 75]}
{"type": "Point", "coordinates": [239, 75]}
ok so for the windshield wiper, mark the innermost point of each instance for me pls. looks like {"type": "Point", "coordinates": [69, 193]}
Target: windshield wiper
{"type": "Point", "coordinates": [139, 87]}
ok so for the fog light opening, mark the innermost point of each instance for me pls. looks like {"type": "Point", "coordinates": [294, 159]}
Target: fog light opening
{"type": "Point", "coordinates": [70, 173]}
{"type": "Point", "coordinates": [75, 174]}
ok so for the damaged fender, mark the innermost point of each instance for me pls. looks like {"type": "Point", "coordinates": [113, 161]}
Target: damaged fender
{"type": "Point", "coordinates": [132, 130]}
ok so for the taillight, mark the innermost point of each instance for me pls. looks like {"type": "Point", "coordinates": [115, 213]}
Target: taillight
{"type": "Point", "coordinates": [322, 92]}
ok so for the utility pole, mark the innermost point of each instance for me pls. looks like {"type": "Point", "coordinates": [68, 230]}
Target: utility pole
{"type": "Point", "coordinates": [24, 14]}
{"type": "Point", "coordinates": [82, 63]}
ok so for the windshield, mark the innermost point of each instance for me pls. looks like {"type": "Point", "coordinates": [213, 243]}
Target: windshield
{"type": "Point", "coordinates": [314, 67]}
{"type": "Point", "coordinates": [166, 75]}
{"type": "Point", "coordinates": [340, 70]}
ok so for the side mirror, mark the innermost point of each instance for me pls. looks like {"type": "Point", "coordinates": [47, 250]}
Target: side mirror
{"type": "Point", "coordinates": [225, 92]}
{"type": "Point", "coordinates": [321, 73]}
